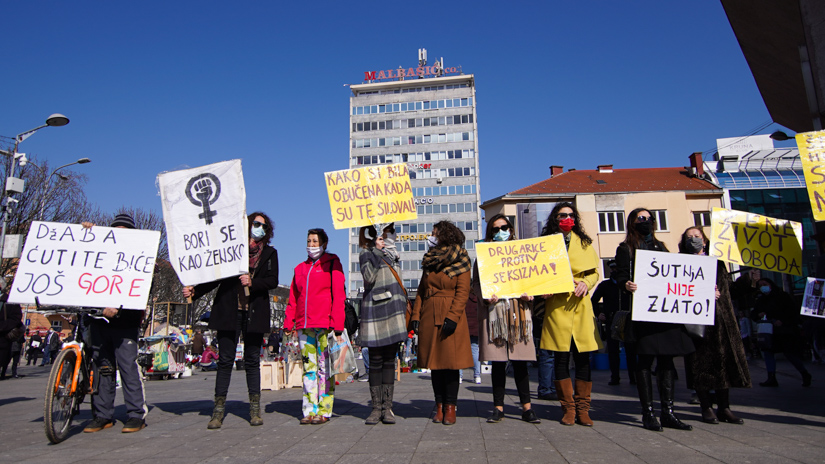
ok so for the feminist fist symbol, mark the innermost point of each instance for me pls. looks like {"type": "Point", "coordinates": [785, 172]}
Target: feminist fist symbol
{"type": "Point", "coordinates": [203, 190]}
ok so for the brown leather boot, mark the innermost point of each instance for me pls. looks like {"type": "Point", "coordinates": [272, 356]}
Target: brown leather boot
{"type": "Point", "coordinates": [564, 388]}
{"type": "Point", "coordinates": [439, 413]}
{"type": "Point", "coordinates": [583, 402]}
{"type": "Point", "coordinates": [449, 414]}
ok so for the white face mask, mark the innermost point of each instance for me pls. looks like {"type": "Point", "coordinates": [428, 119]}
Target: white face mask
{"type": "Point", "coordinates": [258, 233]}
{"type": "Point", "coordinates": [315, 252]}
{"type": "Point", "coordinates": [432, 242]}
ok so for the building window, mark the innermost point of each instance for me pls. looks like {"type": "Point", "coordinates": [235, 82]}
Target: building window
{"type": "Point", "coordinates": [57, 325]}
{"type": "Point", "coordinates": [661, 219]}
{"type": "Point", "coordinates": [611, 221]}
{"type": "Point", "coordinates": [701, 218]}
{"type": "Point", "coordinates": [356, 267]}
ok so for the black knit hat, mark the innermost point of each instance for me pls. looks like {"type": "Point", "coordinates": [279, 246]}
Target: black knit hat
{"type": "Point", "coordinates": [123, 220]}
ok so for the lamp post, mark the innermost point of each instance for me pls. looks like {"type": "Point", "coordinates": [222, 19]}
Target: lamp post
{"type": "Point", "coordinates": [46, 185]}
{"type": "Point", "coordinates": [55, 120]}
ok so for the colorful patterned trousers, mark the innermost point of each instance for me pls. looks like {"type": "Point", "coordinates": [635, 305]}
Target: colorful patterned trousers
{"type": "Point", "coordinates": [319, 389]}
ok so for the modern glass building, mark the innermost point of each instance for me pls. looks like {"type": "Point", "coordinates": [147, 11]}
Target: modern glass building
{"type": "Point", "coordinates": [424, 117]}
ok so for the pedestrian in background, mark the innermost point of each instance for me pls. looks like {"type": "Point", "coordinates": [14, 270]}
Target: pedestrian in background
{"type": "Point", "coordinates": [609, 293]}
{"type": "Point", "coordinates": [234, 315]}
{"type": "Point", "coordinates": [438, 316]}
{"type": "Point", "coordinates": [654, 340]}
{"type": "Point", "coordinates": [51, 339]}
{"type": "Point", "coordinates": [505, 328]}
{"type": "Point", "coordinates": [35, 348]}
{"type": "Point", "coordinates": [315, 310]}
{"type": "Point", "coordinates": [198, 343]}
{"type": "Point", "coordinates": [383, 316]}
{"type": "Point", "coordinates": [568, 317]}
{"type": "Point", "coordinates": [11, 318]}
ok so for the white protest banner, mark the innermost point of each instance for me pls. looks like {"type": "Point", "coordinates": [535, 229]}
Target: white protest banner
{"type": "Point", "coordinates": [205, 214]}
{"type": "Point", "coordinates": [813, 304]}
{"type": "Point", "coordinates": [674, 288]}
{"type": "Point", "coordinates": [100, 267]}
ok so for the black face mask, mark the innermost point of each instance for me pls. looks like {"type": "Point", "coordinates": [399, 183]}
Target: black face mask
{"type": "Point", "coordinates": [644, 228]}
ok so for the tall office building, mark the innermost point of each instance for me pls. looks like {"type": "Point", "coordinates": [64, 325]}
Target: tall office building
{"type": "Point", "coordinates": [425, 117]}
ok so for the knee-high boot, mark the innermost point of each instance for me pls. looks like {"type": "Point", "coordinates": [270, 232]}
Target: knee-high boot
{"type": "Point", "coordinates": [387, 416]}
{"type": "Point", "coordinates": [564, 388]}
{"type": "Point", "coordinates": [583, 390]}
{"type": "Point", "coordinates": [666, 380]}
{"type": "Point", "coordinates": [644, 383]}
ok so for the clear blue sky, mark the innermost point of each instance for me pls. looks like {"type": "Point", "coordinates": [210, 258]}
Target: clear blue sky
{"type": "Point", "coordinates": [155, 86]}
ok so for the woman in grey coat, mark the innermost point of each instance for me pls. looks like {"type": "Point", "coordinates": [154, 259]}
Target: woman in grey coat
{"type": "Point", "coordinates": [383, 316]}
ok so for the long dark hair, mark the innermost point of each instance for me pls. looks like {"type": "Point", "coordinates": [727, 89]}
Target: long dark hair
{"type": "Point", "coordinates": [551, 226]}
{"type": "Point", "coordinates": [632, 237]}
{"type": "Point", "coordinates": [269, 227]}
{"type": "Point", "coordinates": [488, 235]}
{"type": "Point", "coordinates": [683, 242]}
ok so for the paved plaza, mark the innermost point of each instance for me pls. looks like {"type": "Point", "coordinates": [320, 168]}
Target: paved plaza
{"type": "Point", "coordinates": [785, 424]}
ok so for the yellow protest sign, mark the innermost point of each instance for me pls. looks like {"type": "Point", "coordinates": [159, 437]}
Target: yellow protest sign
{"type": "Point", "coordinates": [370, 195]}
{"type": "Point", "coordinates": [535, 266]}
{"type": "Point", "coordinates": [762, 242]}
{"type": "Point", "coordinates": [812, 154]}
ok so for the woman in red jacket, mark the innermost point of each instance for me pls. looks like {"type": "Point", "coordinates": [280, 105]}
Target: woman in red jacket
{"type": "Point", "coordinates": [316, 307]}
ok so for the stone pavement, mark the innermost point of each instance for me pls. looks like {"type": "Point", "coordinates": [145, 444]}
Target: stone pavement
{"type": "Point", "coordinates": [784, 424]}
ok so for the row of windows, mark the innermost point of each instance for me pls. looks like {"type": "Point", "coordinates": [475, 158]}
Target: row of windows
{"type": "Point", "coordinates": [420, 228]}
{"type": "Point", "coordinates": [450, 208]}
{"type": "Point", "coordinates": [439, 173]}
{"type": "Point", "coordinates": [412, 140]}
{"type": "Point", "coordinates": [416, 89]}
{"type": "Point", "coordinates": [412, 122]}
{"type": "Point", "coordinates": [413, 106]}
{"type": "Point", "coordinates": [447, 190]}
{"type": "Point", "coordinates": [411, 157]}
{"type": "Point", "coordinates": [614, 221]}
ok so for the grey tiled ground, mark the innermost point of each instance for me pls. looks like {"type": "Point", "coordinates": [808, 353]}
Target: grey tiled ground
{"type": "Point", "coordinates": [784, 424]}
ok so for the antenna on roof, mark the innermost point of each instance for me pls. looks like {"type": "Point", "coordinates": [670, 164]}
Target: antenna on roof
{"type": "Point", "coordinates": [422, 57]}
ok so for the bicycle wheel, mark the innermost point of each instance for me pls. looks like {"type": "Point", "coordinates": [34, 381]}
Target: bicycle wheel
{"type": "Point", "coordinates": [58, 410]}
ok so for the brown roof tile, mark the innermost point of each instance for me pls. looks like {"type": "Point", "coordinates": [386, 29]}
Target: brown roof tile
{"type": "Point", "coordinates": [618, 181]}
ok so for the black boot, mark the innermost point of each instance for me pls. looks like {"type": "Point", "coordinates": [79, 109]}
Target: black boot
{"type": "Point", "coordinates": [771, 382]}
{"type": "Point", "coordinates": [666, 380]}
{"type": "Point", "coordinates": [706, 405]}
{"type": "Point", "coordinates": [644, 383]}
{"type": "Point", "coordinates": [376, 393]}
{"type": "Point", "coordinates": [387, 415]}
{"type": "Point", "coordinates": [724, 413]}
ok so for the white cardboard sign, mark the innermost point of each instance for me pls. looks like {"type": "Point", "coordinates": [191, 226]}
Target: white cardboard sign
{"type": "Point", "coordinates": [100, 267]}
{"type": "Point", "coordinates": [813, 304]}
{"type": "Point", "coordinates": [674, 288]}
{"type": "Point", "coordinates": [204, 210]}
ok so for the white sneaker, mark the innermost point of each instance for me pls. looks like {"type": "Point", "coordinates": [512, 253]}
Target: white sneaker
{"type": "Point", "coordinates": [460, 380]}
{"type": "Point", "coordinates": [478, 379]}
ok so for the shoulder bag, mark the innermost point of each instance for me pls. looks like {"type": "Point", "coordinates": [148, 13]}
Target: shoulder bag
{"type": "Point", "coordinates": [406, 297]}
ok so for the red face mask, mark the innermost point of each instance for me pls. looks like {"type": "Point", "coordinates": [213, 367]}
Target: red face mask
{"type": "Point", "coordinates": [567, 224]}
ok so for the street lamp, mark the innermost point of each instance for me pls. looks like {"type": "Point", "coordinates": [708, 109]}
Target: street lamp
{"type": "Point", "coordinates": [46, 185]}
{"type": "Point", "coordinates": [55, 120]}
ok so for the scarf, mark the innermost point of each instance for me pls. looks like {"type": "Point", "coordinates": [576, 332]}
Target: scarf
{"type": "Point", "coordinates": [255, 250]}
{"type": "Point", "coordinates": [509, 321]}
{"type": "Point", "coordinates": [451, 260]}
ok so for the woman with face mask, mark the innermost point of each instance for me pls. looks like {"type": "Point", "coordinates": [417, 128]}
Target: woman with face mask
{"type": "Point", "coordinates": [316, 308]}
{"type": "Point", "coordinates": [719, 362]}
{"type": "Point", "coordinates": [777, 307]}
{"type": "Point", "coordinates": [568, 317]}
{"type": "Point", "coordinates": [505, 329]}
{"type": "Point", "coordinates": [654, 340]}
{"type": "Point", "coordinates": [439, 318]}
{"type": "Point", "coordinates": [235, 314]}
{"type": "Point", "coordinates": [383, 316]}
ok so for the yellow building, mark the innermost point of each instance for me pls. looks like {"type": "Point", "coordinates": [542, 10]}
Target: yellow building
{"type": "Point", "coordinates": [679, 197]}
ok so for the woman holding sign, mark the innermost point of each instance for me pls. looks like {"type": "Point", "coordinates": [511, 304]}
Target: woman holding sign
{"type": "Point", "coordinates": [568, 318]}
{"type": "Point", "coordinates": [655, 340]}
{"type": "Point", "coordinates": [505, 332]}
{"type": "Point", "coordinates": [383, 316]}
{"type": "Point", "coordinates": [235, 314]}
{"type": "Point", "coordinates": [316, 308]}
{"type": "Point", "coordinates": [439, 318]}
{"type": "Point", "coordinates": [719, 362]}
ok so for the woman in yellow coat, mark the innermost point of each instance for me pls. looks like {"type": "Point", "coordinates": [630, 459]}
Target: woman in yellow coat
{"type": "Point", "coordinates": [568, 317]}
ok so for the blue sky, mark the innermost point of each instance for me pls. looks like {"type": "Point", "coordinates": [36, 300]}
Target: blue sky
{"type": "Point", "coordinates": [156, 86]}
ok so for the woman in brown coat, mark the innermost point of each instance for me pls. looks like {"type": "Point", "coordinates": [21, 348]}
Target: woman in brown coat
{"type": "Point", "coordinates": [439, 319]}
{"type": "Point", "coordinates": [505, 328]}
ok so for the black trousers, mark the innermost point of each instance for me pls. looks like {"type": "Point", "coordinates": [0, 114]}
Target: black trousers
{"type": "Point", "coordinates": [521, 377]}
{"type": "Point", "coordinates": [227, 344]}
{"type": "Point", "coordinates": [445, 386]}
{"type": "Point", "coordinates": [614, 357]}
{"type": "Point", "coordinates": [382, 364]}
{"type": "Point", "coordinates": [582, 361]}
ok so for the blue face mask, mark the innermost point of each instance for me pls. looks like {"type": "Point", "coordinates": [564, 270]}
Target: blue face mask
{"type": "Point", "coordinates": [258, 233]}
{"type": "Point", "coordinates": [765, 289]}
{"type": "Point", "coordinates": [501, 236]}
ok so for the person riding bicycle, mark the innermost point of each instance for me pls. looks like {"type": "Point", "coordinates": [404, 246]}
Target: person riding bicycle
{"type": "Point", "coordinates": [114, 340]}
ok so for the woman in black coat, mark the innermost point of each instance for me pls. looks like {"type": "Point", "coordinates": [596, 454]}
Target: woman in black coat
{"type": "Point", "coordinates": [234, 313]}
{"type": "Point", "coordinates": [654, 340]}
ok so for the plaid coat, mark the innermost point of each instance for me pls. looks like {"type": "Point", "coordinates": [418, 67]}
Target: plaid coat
{"type": "Point", "coordinates": [384, 304]}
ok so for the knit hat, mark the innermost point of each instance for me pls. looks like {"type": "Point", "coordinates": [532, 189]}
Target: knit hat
{"type": "Point", "coordinates": [123, 220]}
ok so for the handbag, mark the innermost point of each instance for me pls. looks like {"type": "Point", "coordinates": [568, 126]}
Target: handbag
{"type": "Point", "coordinates": [696, 330]}
{"type": "Point", "coordinates": [621, 328]}
{"type": "Point", "coordinates": [408, 314]}
{"type": "Point", "coordinates": [342, 359]}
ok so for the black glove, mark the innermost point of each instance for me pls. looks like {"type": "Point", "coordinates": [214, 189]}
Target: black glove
{"type": "Point", "coordinates": [414, 325]}
{"type": "Point", "coordinates": [448, 328]}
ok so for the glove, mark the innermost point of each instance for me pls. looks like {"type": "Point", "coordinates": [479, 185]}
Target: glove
{"type": "Point", "coordinates": [414, 325]}
{"type": "Point", "coordinates": [448, 328]}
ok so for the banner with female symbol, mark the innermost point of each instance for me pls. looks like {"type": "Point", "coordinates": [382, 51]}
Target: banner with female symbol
{"type": "Point", "coordinates": [205, 214]}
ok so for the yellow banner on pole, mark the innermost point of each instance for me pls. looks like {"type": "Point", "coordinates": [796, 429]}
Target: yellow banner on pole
{"type": "Point", "coordinates": [370, 195]}
{"type": "Point", "coordinates": [753, 240]}
{"type": "Point", "coordinates": [812, 154]}
{"type": "Point", "coordinates": [535, 266]}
